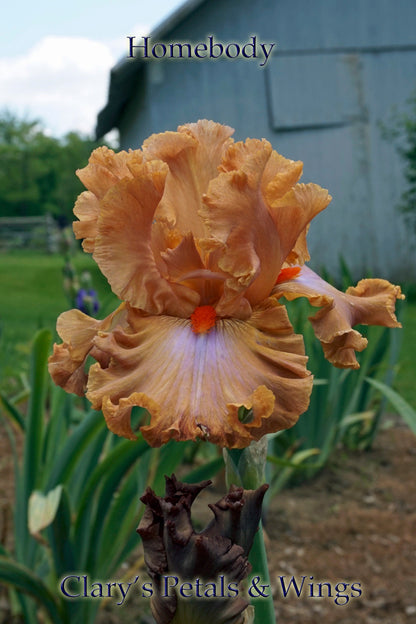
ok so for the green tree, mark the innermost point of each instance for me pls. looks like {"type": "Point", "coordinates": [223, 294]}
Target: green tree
{"type": "Point", "coordinates": [18, 188]}
{"type": "Point", "coordinates": [38, 171]}
{"type": "Point", "coordinates": [402, 131]}
{"type": "Point", "coordinates": [75, 151]}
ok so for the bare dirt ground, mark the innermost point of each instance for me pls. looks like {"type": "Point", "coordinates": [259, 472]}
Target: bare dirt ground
{"type": "Point", "coordinates": [354, 524]}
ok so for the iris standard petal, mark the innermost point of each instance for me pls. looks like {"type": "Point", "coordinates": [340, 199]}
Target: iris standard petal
{"type": "Point", "coordinates": [236, 214]}
{"type": "Point", "coordinates": [87, 209]}
{"type": "Point", "coordinates": [192, 154]}
{"type": "Point", "coordinates": [123, 246]}
{"type": "Point", "coordinates": [105, 168]}
{"type": "Point", "coordinates": [292, 214]}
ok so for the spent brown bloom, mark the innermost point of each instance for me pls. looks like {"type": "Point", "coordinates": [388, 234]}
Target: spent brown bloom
{"type": "Point", "coordinates": [197, 576]}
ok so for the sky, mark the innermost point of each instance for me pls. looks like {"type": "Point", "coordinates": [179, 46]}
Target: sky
{"type": "Point", "coordinates": [55, 57]}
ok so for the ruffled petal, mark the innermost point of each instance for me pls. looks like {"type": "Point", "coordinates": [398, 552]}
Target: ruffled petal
{"type": "Point", "coordinates": [237, 259]}
{"type": "Point", "coordinates": [261, 215]}
{"type": "Point", "coordinates": [77, 330]}
{"type": "Point", "coordinates": [104, 169]}
{"type": "Point", "coordinates": [213, 140]}
{"type": "Point", "coordinates": [292, 213]}
{"type": "Point", "coordinates": [184, 265]}
{"type": "Point", "coordinates": [300, 253]}
{"type": "Point", "coordinates": [279, 176]}
{"type": "Point", "coordinates": [237, 215]}
{"type": "Point", "coordinates": [192, 384]}
{"type": "Point", "coordinates": [371, 302]}
{"type": "Point", "coordinates": [87, 209]}
{"type": "Point", "coordinates": [192, 155]}
{"type": "Point", "coordinates": [123, 247]}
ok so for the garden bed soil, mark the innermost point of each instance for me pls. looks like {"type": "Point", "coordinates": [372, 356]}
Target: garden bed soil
{"type": "Point", "coordinates": [353, 524]}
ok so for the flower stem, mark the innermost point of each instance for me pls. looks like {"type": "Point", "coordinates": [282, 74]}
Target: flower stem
{"type": "Point", "coordinates": [263, 605]}
{"type": "Point", "coordinates": [245, 467]}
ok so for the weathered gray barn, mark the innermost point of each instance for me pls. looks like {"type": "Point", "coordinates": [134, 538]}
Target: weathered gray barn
{"type": "Point", "coordinates": [337, 69]}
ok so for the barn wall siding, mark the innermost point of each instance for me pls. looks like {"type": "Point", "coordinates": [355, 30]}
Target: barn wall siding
{"type": "Point", "coordinates": [338, 69]}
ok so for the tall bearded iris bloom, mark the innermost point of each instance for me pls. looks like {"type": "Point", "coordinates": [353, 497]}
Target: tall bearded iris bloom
{"type": "Point", "coordinates": [200, 238]}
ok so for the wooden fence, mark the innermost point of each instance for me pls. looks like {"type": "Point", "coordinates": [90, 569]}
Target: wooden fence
{"type": "Point", "coordinates": [41, 233]}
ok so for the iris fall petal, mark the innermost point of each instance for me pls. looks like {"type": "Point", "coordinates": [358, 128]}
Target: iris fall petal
{"type": "Point", "coordinates": [192, 384]}
{"type": "Point", "coordinates": [371, 302]}
{"type": "Point", "coordinates": [78, 330]}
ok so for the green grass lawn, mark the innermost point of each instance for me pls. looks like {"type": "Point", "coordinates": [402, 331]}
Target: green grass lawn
{"type": "Point", "coordinates": [32, 296]}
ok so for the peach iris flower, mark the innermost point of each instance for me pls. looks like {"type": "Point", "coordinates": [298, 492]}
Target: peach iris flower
{"type": "Point", "coordinates": [200, 237]}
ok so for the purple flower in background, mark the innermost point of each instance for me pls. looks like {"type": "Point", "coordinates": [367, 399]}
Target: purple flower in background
{"type": "Point", "coordinates": [87, 301]}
